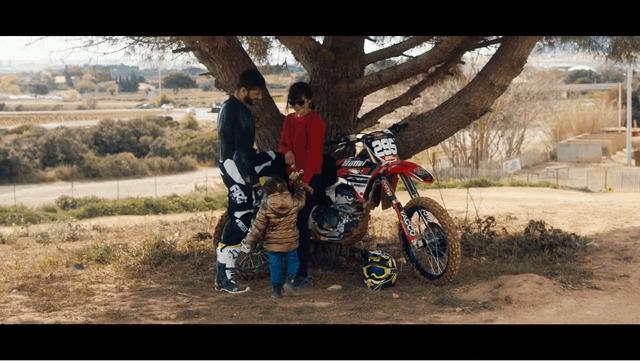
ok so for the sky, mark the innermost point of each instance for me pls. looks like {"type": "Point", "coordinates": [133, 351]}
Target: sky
{"type": "Point", "coordinates": [58, 50]}
{"type": "Point", "coordinates": [35, 51]}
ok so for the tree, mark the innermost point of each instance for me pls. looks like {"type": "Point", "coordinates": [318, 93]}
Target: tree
{"type": "Point", "coordinates": [9, 84]}
{"type": "Point", "coordinates": [336, 69]}
{"type": "Point", "coordinates": [130, 83]}
{"type": "Point", "coordinates": [177, 81]}
{"type": "Point", "coordinates": [72, 72]}
{"type": "Point", "coordinates": [39, 89]}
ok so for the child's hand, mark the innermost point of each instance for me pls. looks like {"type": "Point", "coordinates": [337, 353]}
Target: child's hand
{"type": "Point", "coordinates": [306, 187]}
{"type": "Point", "coordinates": [296, 175]}
{"type": "Point", "coordinates": [244, 247]}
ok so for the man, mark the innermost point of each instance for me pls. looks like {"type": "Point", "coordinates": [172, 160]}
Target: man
{"type": "Point", "coordinates": [240, 166]}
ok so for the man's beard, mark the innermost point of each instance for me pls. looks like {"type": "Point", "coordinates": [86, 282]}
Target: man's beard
{"type": "Point", "coordinates": [248, 101]}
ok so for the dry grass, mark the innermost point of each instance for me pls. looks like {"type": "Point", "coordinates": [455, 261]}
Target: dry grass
{"type": "Point", "coordinates": [14, 119]}
{"type": "Point", "coordinates": [581, 117]}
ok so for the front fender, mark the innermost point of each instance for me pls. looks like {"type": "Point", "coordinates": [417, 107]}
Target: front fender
{"type": "Point", "coordinates": [411, 169]}
{"type": "Point", "coordinates": [392, 170]}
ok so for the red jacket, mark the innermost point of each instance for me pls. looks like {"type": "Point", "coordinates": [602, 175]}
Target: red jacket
{"type": "Point", "coordinates": [304, 136]}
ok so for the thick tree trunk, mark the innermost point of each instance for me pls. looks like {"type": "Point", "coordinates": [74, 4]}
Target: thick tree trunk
{"type": "Point", "coordinates": [225, 59]}
{"type": "Point", "coordinates": [336, 70]}
{"type": "Point", "coordinates": [338, 109]}
{"type": "Point", "coordinates": [475, 99]}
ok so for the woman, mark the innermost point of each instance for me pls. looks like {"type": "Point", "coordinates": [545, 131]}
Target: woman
{"type": "Point", "coordinates": [302, 143]}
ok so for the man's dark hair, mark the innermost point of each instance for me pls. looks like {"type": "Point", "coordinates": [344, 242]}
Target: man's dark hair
{"type": "Point", "coordinates": [251, 79]}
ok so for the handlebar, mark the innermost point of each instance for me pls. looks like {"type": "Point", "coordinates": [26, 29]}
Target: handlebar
{"type": "Point", "coordinates": [353, 138]}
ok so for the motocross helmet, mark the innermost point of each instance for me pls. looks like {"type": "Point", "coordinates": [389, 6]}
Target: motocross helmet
{"type": "Point", "coordinates": [380, 270]}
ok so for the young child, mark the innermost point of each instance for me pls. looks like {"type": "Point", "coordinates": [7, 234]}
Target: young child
{"type": "Point", "coordinates": [276, 221]}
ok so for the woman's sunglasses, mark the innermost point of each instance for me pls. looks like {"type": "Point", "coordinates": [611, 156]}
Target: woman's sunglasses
{"type": "Point", "coordinates": [299, 102]}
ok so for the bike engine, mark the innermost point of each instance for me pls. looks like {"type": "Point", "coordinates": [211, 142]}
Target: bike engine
{"type": "Point", "coordinates": [335, 219]}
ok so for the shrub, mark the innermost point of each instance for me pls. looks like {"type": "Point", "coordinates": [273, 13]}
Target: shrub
{"type": "Point", "coordinates": [100, 253]}
{"type": "Point", "coordinates": [203, 146]}
{"type": "Point", "coordinates": [60, 146]}
{"type": "Point", "coordinates": [164, 99]}
{"type": "Point", "coordinates": [16, 165]}
{"type": "Point", "coordinates": [122, 165]}
{"type": "Point", "coordinates": [582, 76]}
{"type": "Point", "coordinates": [110, 137]}
{"type": "Point", "coordinates": [163, 147]}
{"type": "Point", "coordinates": [189, 122]}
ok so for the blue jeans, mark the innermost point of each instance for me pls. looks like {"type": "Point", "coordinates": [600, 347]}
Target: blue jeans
{"type": "Point", "coordinates": [275, 265]}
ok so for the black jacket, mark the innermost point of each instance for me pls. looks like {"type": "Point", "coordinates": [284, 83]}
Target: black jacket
{"type": "Point", "coordinates": [236, 134]}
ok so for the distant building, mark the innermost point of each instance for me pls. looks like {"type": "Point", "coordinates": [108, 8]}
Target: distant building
{"type": "Point", "coordinates": [60, 79]}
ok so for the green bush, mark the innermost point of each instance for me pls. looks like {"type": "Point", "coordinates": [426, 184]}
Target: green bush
{"type": "Point", "coordinates": [60, 146]}
{"type": "Point", "coordinates": [67, 203]}
{"type": "Point", "coordinates": [147, 205]}
{"type": "Point", "coordinates": [203, 146]}
{"type": "Point", "coordinates": [122, 165]}
{"type": "Point", "coordinates": [22, 215]}
{"type": "Point", "coordinates": [113, 149]}
{"type": "Point", "coordinates": [537, 242]}
{"type": "Point", "coordinates": [163, 147]}
{"type": "Point", "coordinates": [16, 165]}
{"type": "Point", "coordinates": [19, 129]}
{"type": "Point", "coordinates": [161, 121]}
{"type": "Point", "coordinates": [158, 165]}
{"type": "Point", "coordinates": [582, 76]}
{"type": "Point", "coordinates": [480, 183]}
{"type": "Point", "coordinates": [66, 208]}
{"type": "Point", "coordinates": [100, 253]}
{"type": "Point", "coordinates": [134, 136]}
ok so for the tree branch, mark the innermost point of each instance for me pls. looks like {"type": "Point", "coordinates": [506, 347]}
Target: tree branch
{"type": "Point", "coordinates": [485, 44]}
{"type": "Point", "coordinates": [371, 118]}
{"type": "Point", "coordinates": [306, 50]}
{"type": "Point", "coordinates": [471, 102]}
{"type": "Point", "coordinates": [394, 50]}
{"type": "Point", "coordinates": [421, 64]}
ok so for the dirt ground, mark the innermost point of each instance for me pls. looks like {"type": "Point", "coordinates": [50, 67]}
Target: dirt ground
{"type": "Point", "coordinates": [50, 279]}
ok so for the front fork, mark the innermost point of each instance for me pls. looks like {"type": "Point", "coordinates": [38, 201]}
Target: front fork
{"type": "Point", "coordinates": [407, 227]}
{"type": "Point", "coordinates": [413, 193]}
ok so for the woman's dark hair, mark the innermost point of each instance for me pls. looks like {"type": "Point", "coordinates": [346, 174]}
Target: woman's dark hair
{"type": "Point", "coordinates": [297, 91]}
{"type": "Point", "coordinates": [274, 185]}
{"type": "Point", "coordinates": [251, 79]}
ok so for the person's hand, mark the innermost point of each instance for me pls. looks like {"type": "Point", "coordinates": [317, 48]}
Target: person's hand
{"type": "Point", "coordinates": [244, 248]}
{"type": "Point", "coordinates": [296, 175]}
{"type": "Point", "coordinates": [306, 187]}
{"type": "Point", "coordinates": [289, 158]}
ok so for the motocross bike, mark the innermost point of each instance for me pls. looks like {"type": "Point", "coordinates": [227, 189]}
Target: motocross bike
{"type": "Point", "coordinates": [354, 185]}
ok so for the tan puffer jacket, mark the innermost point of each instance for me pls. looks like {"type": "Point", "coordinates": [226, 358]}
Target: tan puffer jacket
{"type": "Point", "coordinates": [276, 221]}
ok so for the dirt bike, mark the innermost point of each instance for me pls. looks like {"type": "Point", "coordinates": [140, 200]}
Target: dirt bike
{"type": "Point", "coordinates": [354, 185]}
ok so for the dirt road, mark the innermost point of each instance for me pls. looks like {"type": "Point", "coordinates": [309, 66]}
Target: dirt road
{"type": "Point", "coordinates": [33, 195]}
